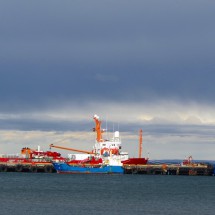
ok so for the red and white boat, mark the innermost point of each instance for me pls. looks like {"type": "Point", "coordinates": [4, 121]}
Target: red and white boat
{"type": "Point", "coordinates": [106, 156]}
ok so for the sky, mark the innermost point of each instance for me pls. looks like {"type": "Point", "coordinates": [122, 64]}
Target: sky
{"type": "Point", "coordinates": [142, 64]}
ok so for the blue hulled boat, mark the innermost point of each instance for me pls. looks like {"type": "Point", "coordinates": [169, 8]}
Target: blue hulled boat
{"type": "Point", "coordinates": [66, 168]}
{"type": "Point", "coordinates": [106, 156]}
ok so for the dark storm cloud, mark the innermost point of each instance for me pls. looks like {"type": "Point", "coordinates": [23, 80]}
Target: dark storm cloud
{"type": "Point", "coordinates": [43, 125]}
{"type": "Point", "coordinates": [53, 52]}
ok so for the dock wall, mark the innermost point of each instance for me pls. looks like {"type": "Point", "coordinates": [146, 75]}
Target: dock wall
{"type": "Point", "coordinates": [27, 167]}
{"type": "Point", "coordinates": [203, 170]}
{"type": "Point", "coordinates": [148, 169]}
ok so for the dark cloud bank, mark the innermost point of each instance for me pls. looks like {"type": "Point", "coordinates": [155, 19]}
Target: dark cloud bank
{"type": "Point", "coordinates": [57, 52]}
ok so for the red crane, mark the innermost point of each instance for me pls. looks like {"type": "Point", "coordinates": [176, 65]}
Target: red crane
{"type": "Point", "coordinates": [140, 143]}
{"type": "Point", "coordinates": [70, 149]}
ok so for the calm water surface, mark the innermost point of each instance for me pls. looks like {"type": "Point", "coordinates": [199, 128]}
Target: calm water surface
{"type": "Point", "coordinates": [50, 194]}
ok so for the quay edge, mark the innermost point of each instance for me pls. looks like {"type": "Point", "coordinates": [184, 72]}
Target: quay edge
{"type": "Point", "coordinates": [28, 167]}
{"type": "Point", "coordinates": [173, 169]}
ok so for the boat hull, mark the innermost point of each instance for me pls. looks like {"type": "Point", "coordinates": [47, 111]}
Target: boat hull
{"type": "Point", "coordinates": [136, 161]}
{"type": "Point", "coordinates": [72, 169]}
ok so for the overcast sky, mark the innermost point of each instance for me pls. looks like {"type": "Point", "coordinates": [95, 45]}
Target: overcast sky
{"type": "Point", "coordinates": [137, 64]}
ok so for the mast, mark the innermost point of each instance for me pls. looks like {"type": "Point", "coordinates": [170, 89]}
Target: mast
{"type": "Point", "coordinates": [140, 142]}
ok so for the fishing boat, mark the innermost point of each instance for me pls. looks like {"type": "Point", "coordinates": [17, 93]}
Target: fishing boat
{"type": "Point", "coordinates": [106, 156]}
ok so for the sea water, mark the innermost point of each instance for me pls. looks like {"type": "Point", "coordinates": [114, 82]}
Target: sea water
{"type": "Point", "coordinates": [50, 194]}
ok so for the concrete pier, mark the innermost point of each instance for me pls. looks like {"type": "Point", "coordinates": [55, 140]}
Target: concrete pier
{"type": "Point", "coordinates": [172, 169]}
{"type": "Point", "coordinates": [27, 167]}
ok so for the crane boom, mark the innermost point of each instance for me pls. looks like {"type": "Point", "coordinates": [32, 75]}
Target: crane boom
{"type": "Point", "coordinates": [70, 149]}
{"type": "Point", "coordinates": [98, 129]}
{"type": "Point", "coordinates": [140, 143]}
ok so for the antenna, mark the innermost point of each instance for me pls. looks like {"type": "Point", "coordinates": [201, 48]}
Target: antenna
{"type": "Point", "coordinates": [107, 136]}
